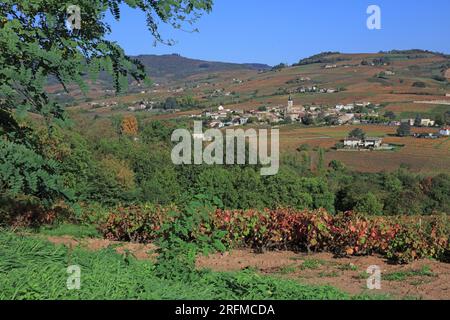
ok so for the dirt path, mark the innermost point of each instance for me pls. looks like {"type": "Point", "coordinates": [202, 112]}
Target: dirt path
{"type": "Point", "coordinates": [140, 251]}
{"type": "Point", "coordinates": [425, 279]}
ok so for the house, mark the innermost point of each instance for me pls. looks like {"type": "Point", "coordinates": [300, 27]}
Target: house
{"type": "Point", "coordinates": [374, 143]}
{"type": "Point", "coordinates": [409, 121]}
{"type": "Point", "coordinates": [346, 118]}
{"type": "Point", "coordinates": [445, 132]}
{"type": "Point", "coordinates": [352, 143]}
{"type": "Point", "coordinates": [348, 107]}
{"type": "Point", "coordinates": [426, 136]}
{"type": "Point", "coordinates": [243, 121]}
{"type": "Point", "coordinates": [427, 123]}
{"type": "Point", "coordinates": [216, 124]}
{"type": "Point", "coordinates": [293, 112]}
{"type": "Point", "coordinates": [367, 143]}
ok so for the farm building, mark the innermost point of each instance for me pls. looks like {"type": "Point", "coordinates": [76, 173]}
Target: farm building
{"type": "Point", "coordinates": [445, 132]}
{"type": "Point", "coordinates": [367, 143]}
{"type": "Point", "coordinates": [346, 118]}
{"type": "Point", "coordinates": [426, 136]}
{"type": "Point", "coordinates": [410, 121]}
{"type": "Point", "coordinates": [427, 123]}
{"type": "Point", "coordinates": [352, 143]}
{"type": "Point", "coordinates": [373, 143]}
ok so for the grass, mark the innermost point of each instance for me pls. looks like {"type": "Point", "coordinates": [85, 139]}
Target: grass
{"type": "Point", "coordinates": [363, 276]}
{"type": "Point", "coordinates": [348, 267]}
{"type": "Point", "coordinates": [34, 269]}
{"type": "Point", "coordinates": [431, 114]}
{"type": "Point", "coordinates": [425, 271]}
{"type": "Point", "coordinates": [312, 264]}
{"type": "Point", "coordinates": [288, 269]}
{"type": "Point", "coordinates": [72, 230]}
{"type": "Point", "coordinates": [332, 274]}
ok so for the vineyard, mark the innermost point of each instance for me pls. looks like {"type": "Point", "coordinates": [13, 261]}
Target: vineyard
{"type": "Point", "coordinates": [154, 252]}
{"type": "Point", "coordinates": [419, 155]}
{"type": "Point", "coordinates": [400, 239]}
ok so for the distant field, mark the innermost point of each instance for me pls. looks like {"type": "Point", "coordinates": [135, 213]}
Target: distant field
{"type": "Point", "coordinates": [410, 110]}
{"type": "Point", "coordinates": [420, 155]}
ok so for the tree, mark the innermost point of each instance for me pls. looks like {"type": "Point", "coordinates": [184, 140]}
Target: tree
{"type": "Point", "coordinates": [170, 103]}
{"type": "Point", "coordinates": [418, 121]}
{"type": "Point", "coordinates": [23, 171]}
{"type": "Point", "coordinates": [36, 46]}
{"type": "Point", "coordinates": [262, 108]}
{"type": "Point", "coordinates": [337, 165]}
{"type": "Point", "coordinates": [369, 204]}
{"type": "Point", "coordinates": [321, 161]}
{"type": "Point", "coordinates": [390, 115]}
{"type": "Point", "coordinates": [357, 133]}
{"type": "Point", "coordinates": [439, 119]}
{"type": "Point", "coordinates": [419, 84]}
{"type": "Point", "coordinates": [404, 130]}
{"type": "Point", "coordinates": [447, 118]}
{"type": "Point", "coordinates": [308, 120]}
{"type": "Point", "coordinates": [279, 67]}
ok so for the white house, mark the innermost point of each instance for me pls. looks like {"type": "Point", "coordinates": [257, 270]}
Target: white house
{"type": "Point", "coordinates": [373, 142]}
{"type": "Point", "coordinates": [367, 143]}
{"type": "Point", "coordinates": [427, 123]}
{"type": "Point", "coordinates": [352, 142]}
{"type": "Point", "coordinates": [347, 107]}
{"type": "Point", "coordinates": [410, 121]}
{"type": "Point", "coordinates": [445, 132]}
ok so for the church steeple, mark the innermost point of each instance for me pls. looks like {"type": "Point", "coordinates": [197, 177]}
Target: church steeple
{"type": "Point", "coordinates": [290, 104]}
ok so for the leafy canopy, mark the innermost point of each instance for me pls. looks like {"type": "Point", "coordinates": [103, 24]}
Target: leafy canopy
{"type": "Point", "coordinates": [37, 44]}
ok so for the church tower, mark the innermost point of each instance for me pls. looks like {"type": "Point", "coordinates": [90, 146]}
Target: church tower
{"type": "Point", "coordinates": [290, 105]}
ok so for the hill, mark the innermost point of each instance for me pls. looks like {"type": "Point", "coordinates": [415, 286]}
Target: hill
{"type": "Point", "coordinates": [175, 67]}
{"type": "Point", "coordinates": [395, 79]}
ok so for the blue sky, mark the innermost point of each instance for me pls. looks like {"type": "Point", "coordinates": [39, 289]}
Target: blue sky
{"type": "Point", "coordinates": [271, 32]}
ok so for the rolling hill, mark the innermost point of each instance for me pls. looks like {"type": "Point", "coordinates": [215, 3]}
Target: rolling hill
{"type": "Point", "coordinates": [175, 67]}
{"type": "Point", "coordinates": [395, 79]}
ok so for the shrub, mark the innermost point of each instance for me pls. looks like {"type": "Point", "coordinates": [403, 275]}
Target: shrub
{"type": "Point", "coordinates": [347, 234]}
{"type": "Point", "coordinates": [135, 223]}
{"type": "Point", "coordinates": [417, 240]}
{"type": "Point", "coordinates": [25, 172]}
{"type": "Point", "coordinates": [419, 84]}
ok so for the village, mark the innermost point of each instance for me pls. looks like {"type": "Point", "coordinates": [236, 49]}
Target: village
{"type": "Point", "coordinates": [357, 113]}
{"type": "Point", "coordinates": [360, 113]}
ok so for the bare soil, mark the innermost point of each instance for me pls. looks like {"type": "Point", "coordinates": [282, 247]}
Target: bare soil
{"type": "Point", "coordinates": [140, 251]}
{"type": "Point", "coordinates": [424, 279]}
